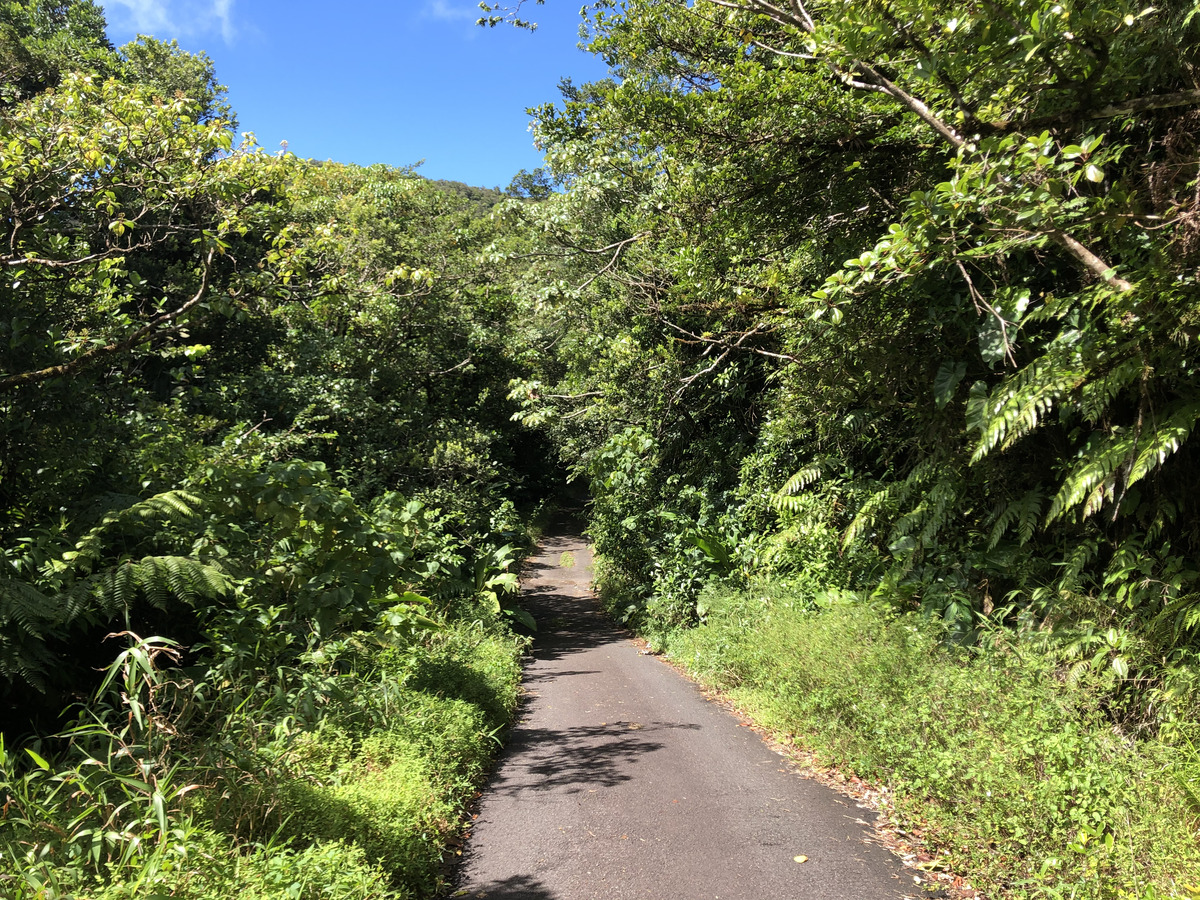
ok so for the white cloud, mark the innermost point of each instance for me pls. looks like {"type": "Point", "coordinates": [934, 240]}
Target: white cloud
{"type": "Point", "coordinates": [166, 19]}
{"type": "Point", "coordinates": [224, 12]}
{"type": "Point", "coordinates": [453, 10]}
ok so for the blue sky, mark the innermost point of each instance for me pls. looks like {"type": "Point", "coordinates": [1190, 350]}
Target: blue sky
{"type": "Point", "coordinates": [368, 81]}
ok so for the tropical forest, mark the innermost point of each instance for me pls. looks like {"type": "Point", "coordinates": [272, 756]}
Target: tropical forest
{"type": "Point", "coordinates": [862, 338]}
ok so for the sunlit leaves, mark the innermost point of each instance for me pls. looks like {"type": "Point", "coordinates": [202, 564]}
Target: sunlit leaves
{"type": "Point", "coordinates": [98, 172]}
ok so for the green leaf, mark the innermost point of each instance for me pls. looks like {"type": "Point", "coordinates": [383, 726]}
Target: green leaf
{"type": "Point", "coordinates": [135, 783]}
{"type": "Point", "coordinates": [977, 406]}
{"type": "Point", "coordinates": [712, 547]}
{"type": "Point", "coordinates": [160, 812]}
{"type": "Point", "coordinates": [992, 344]}
{"type": "Point", "coordinates": [409, 597]}
{"type": "Point", "coordinates": [523, 617]}
{"type": "Point", "coordinates": [42, 764]}
{"type": "Point", "coordinates": [946, 381]}
{"type": "Point", "coordinates": [506, 581]}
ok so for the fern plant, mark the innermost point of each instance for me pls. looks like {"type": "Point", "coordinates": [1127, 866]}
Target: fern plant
{"type": "Point", "coordinates": [786, 499]}
{"type": "Point", "coordinates": [49, 593]}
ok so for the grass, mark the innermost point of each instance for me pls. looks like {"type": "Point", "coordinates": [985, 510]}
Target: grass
{"type": "Point", "coordinates": [326, 871]}
{"type": "Point", "coordinates": [398, 792]}
{"type": "Point", "coordinates": [1013, 774]}
{"type": "Point", "coordinates": [359, 803]}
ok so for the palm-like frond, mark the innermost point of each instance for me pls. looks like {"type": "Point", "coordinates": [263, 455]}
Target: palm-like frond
{"type": "Point", "coordinates": [1023, 513]}
{"type": "Point", "coordinates": [29, 616]}
{"type": "Point", "coordinates": [159, 579]}
{"type": "Point", "coordinates": [1115, 463]}
{"type": "Point", "coordinates": [888, 501]}
{"type": "Point", "coordinates": [1018, 404]}
{"type": "Point", "coordinates": [785, 499]}
{"type": "Point", "coordinates": [25, 615]}
{"type": "Point", "coordinates": [175, 507]}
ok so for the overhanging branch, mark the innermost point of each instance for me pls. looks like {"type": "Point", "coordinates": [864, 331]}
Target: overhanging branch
{"type": "Point", "coordinates": [144, 333]}
{"type": "Point", "coordinates": [863, 76]}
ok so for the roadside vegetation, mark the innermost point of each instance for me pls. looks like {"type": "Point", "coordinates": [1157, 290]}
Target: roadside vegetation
{"type": "Point", "coordinates": [260, 500]}
{"type": "Point", "coordinates": [872, 329]}
{"type": "Point", "coordinates": [1005, 766]}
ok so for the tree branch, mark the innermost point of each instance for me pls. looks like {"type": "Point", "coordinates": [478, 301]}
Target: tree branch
{"type": "Point", "coordinates": [1146, 104]}
{"type": "Point", "coordinates": [981, 304]}
{"type": "Point", "coordinates": [452, 368]}
{"type": "Point", "coordinates": [876, 80]}
{"type": "Point", "coordinates": [1090, 260]}
{"type": "Point", "coordinates": [736, 345]}
{"type": "Point", "coordinates": [85, 359]}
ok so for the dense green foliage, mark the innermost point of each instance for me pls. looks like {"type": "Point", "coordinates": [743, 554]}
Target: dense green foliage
{"type": "Point", "coordinates": [871, 328]}
{"type": "Point", "coordinates": [255, 448]}
{"type": "Point", "coordinates": [1009, 423]}
{"type": "Point", "coordinates": [342, 775]}
{"type": "Point", "coordinates": [898, 300]}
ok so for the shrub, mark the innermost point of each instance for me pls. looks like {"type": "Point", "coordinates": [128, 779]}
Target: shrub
{"type": "Point", "coordinates": [1013, 771]}
{"type": "Point", "coordinates": [213, 870]}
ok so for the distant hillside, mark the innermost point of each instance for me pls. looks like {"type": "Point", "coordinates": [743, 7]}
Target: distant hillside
{"type": "Point", "coordinates": [482, 199]}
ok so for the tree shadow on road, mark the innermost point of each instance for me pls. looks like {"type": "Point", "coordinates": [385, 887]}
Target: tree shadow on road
{"type": "Point", "coordinates": [567, 623]}
{"type": "Point", "coordinates": [580, 759]}
{"type": "Point", "coordinates": [518, 887]}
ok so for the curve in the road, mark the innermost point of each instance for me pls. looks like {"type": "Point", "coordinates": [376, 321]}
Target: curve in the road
{"type": "Point", "coordinates": [621, 781]}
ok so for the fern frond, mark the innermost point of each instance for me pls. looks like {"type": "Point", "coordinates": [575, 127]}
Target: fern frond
{"type": "Point", "coordinates": [871, 510]}
{"type": "Point", "coordinates": [24, 605]}
{"type": "Point", "coordinates": [159, 579]}
{"type": "Point", "coordinates": [116, 589]}
{"type": "Point", "coordinates": [939, 507]}
{"type": "Point", "coordinates": [1165, 440]}
{"type": "Point", "coordinates": [1024, 513]}
{"type": "Point", "coordinates": [158, 582]}
{"type": "Point", "coordinates": [1181, 616]}
{"type": "Point", "coordinates": [1029, 513]}
{"type": "Point", "coordinates": [176, 507]}
{"type": "Point", "coordinates": [785, 498]}
{"type": "Point", "coordinates": [26, 615]}
{"type": "Point", "coordinates": [1096, 396]}
{"type": "Point", "coordinates": [1076, 673]}
{"type": "Point", "coordinates": [1081, 553]}
{"type": "Point", "coordinates": [1105, 489]}
{"type": "Point", "coordinates": [186, 578]}
{"type": "Point", "coordinates": [909, 522]}
{"type": "Point", "coordinates": [930, 515]}
{"type": "Point", "coordinates": [888, 500]}
{"type": "Point", "coordinates": [857, 421]}
{"type": "Point", "coordinates": [25, 659]}
{"type": "Point", "coordinates": [802, 479]}
{"type": "Point", "coordinates": [1093, 479]}
{"type": "Point", "coordinates": [1019, 403]}
{"type": "Point", "coordinates": [77, 601]}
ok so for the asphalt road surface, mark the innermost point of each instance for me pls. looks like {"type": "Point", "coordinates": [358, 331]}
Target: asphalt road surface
{"type": "Point", "coordinates": [621, 781]}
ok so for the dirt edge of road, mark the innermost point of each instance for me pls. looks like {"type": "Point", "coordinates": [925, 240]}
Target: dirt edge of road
{"type": "Point", "coordinates": [931, 875]}
{"type": "Point", "coordinates": [931, 878]}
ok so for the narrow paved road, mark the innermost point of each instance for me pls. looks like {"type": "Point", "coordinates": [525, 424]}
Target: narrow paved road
{"type": "Point", "coordinates": [622, 781]}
